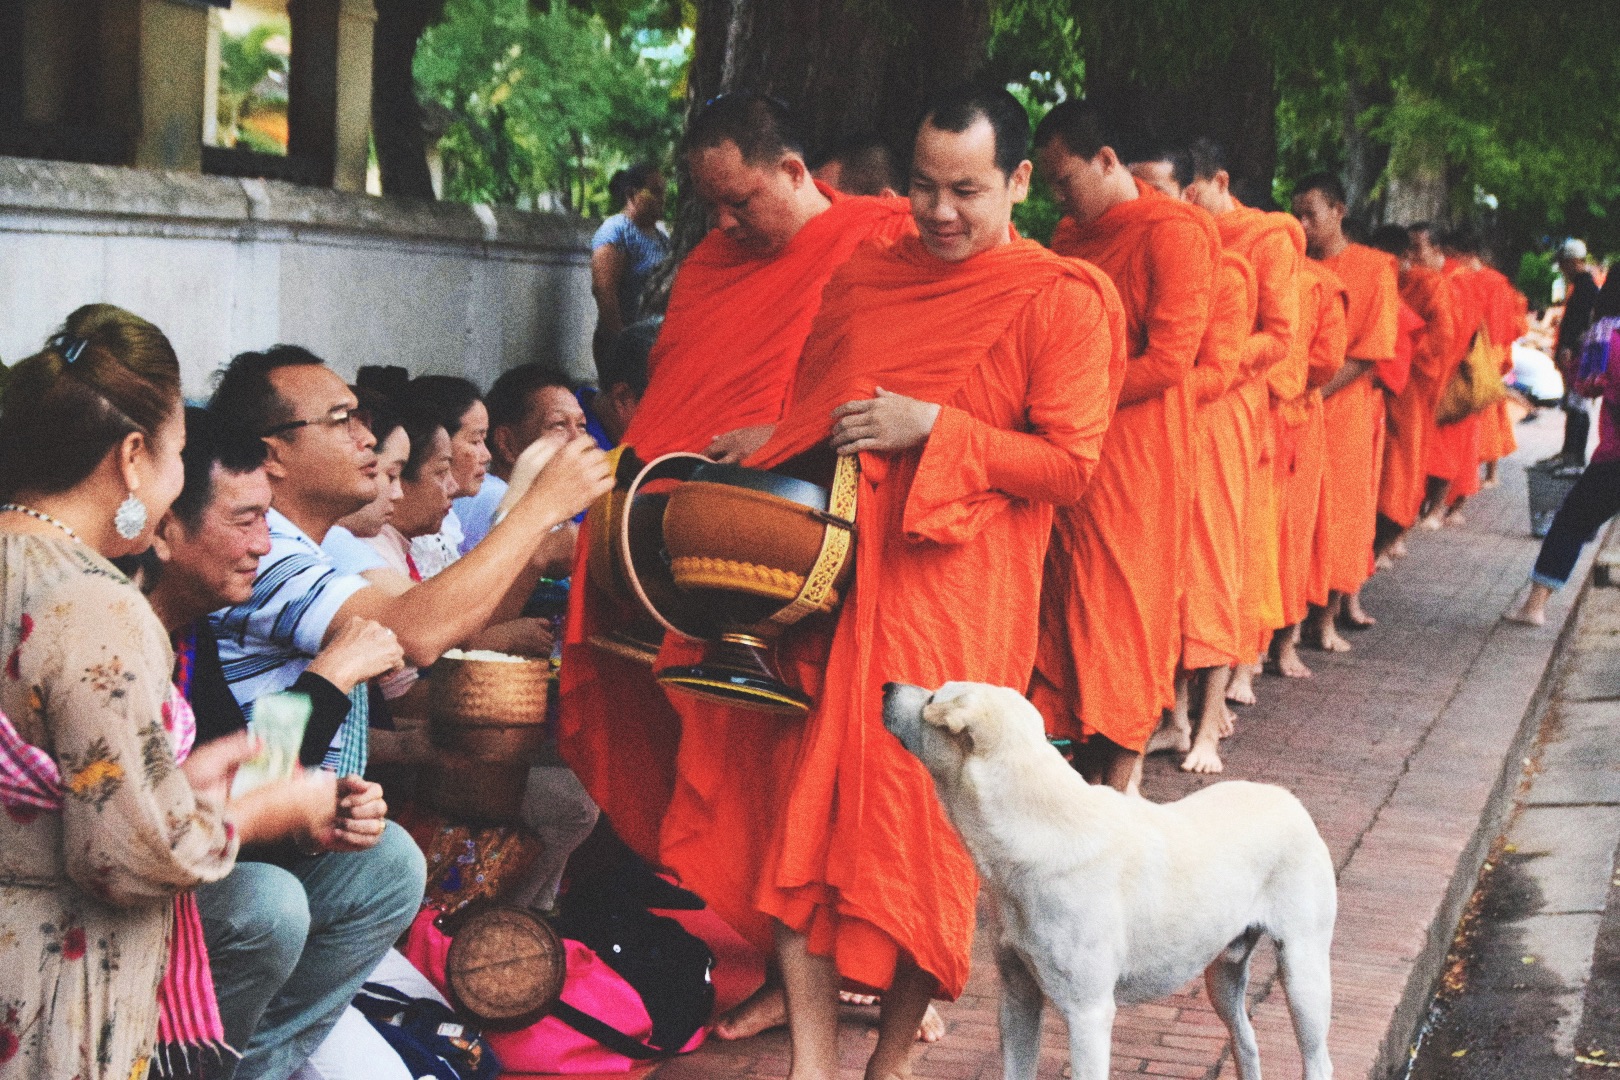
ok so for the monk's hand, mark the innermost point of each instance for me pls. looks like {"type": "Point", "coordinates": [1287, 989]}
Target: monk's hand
{"type": "Point", "coordinates": [886, 423]}
{"type": "Point", "coordinates": [735, 446]}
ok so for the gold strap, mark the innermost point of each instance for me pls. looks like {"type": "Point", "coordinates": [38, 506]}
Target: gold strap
{"type": "Point", "coordinates": [837, 537]}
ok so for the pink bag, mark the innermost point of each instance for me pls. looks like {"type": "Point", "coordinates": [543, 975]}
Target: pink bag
{"type": "Point", "coordinates": [549, 1045]}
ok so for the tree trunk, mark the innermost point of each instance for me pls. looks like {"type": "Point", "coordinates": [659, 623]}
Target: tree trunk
{"type": "Point", "coordinates": [1364, 157]}
{"type": "Point", "coordinates": [1232, 100]}
{"type": "Point", "coordinates": [845, 66]}
{"type": "Point", "coordinates": [396, 116]}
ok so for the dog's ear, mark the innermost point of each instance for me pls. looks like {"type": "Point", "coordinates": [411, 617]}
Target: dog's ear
{"type": "Point", "coordinates": [950, 715]}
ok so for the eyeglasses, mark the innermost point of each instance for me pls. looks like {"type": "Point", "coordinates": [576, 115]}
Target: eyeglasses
{"type": "Point", "coordinates": [341, 416]}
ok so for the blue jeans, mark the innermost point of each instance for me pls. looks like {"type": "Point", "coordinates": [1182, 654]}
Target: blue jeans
{"type": "Point", "coordinates": [290, 946]}
{"type": "Point", "coordinates": [1593, 500]}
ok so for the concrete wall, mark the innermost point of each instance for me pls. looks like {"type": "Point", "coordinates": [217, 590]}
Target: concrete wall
{"type": "Point", "coordinates": [224, 265]}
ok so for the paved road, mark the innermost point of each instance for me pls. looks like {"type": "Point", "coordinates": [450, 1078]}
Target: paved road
{"type": "Point", "coordinates": [1399, 749]}
{"type": "Point", "coordinates": [1532, 988]}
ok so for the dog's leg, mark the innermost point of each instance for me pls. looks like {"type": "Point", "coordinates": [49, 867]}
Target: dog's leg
{"type": "Point", "coordinates": [1303, 963]}
{"type": "Point", "coordinates": [1091, 1032]}
{"type": "Point", "coordinates": [1021, 1004]}
{"type": "Point", "coordinates": [1227, 980]}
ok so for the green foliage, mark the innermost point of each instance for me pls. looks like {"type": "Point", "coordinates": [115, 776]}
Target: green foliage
{"type": "Point", "coordinates": [1537, 272]}
{"type": "Point", "coordinates": [550, 103]}
{"type": "Point", "coordinates": [1035, 44]}
{"type": "Point", "coordinates": [252, 79]}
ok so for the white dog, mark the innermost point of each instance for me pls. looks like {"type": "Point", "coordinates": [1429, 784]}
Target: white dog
{"type": "Point", "coordinates": [1103, 897]}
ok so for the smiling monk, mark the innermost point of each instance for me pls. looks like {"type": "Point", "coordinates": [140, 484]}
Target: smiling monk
{"type": "Point", "coordinates": [719, 375]}
{"type": "Point", "coordinates": [1110, 603]}
{"type": "Point", "coordinates": [973, 374]}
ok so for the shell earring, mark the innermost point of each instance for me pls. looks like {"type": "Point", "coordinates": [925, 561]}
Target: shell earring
{"type": "Point", "coordinates": [130, 521]}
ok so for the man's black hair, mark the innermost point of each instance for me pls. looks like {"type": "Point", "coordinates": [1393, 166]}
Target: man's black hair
{"type": "Point", "coordinates": [959, 107]}
{"type": "Point", "coordinates": [244, 396]}
{"type": "Point", "coordinates": [508, 399]}
{"type": "Point", "coordinates": [626, 362]}
{"type": "Point", "coordinates": [1085, 129]}
{"type": "Point", "coordinates": [1331, 187]}
{"type": "Point", "coordinates": [1206, 158]}
{"type": "Point", "coordinates": [868, 164]}
{"type": "Point", "coordinates": [420, 426]}
{"type": "Point", "coordinates": [210, 441]}
{"type": "Point", "coordinates": [1391, 238]}
{"type": "Point", "coordinates": [626, 182]}
{"type": "Point", "coordinates": [762, 127]}
{"type": "Point", "coordinates": [1463, 240]}
{"type": "Point", "coordinates": [1425, 227]}
{"type": "Point", "coordinates": [446, 397]}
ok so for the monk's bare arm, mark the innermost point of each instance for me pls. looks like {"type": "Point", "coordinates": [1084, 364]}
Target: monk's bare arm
{"type": "Point", "coordinates": [1181, 281]}
{"type": "Point", "coordinates": [1276, 268]}
{"type": "Point", "coordinates": [607, 269]}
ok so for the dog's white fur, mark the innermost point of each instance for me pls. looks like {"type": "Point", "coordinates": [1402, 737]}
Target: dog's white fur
{"type": "Point", "coordinates": [1102, 897]}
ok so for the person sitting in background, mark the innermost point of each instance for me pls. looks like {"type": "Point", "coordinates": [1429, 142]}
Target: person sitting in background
{"type": "Point", "coordinates": [90, 435]}
{"type": "Point", "coordinates": [621, 379]}
{"type": "Point", "coordinates": [291, 934]}
{"type": "Point", "coordinates": [625, 251]}
{"type": "Point", "coordinates": [526, 403]}
{"type": "Point", "coordinates": [345, 541]}
{"type": "Point", "coordinates": [322, 466]}
{"type": "Point", "coordinates": [1580, 298]}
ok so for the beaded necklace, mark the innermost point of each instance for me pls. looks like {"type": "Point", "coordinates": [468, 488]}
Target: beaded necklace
{"type": "Point", "coordinates": [39, 515]}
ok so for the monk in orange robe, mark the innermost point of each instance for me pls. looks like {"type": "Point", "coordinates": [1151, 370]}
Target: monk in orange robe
{"type": "Point", "coordinates": [1313, 360]}
{"type": "Point", "coordinates": [1222, 452]}
{"type": "Point", "coordinates": [974, 375]}
{"type": "Point", "coordinates": [1506, 320]}
{"type": "Point", "coordinates": [1403, 485]}
{"type": "Point", "coordinates": [1453, 449]}
{"type": "Point", "coordinates": [739, 312]}
{"type": "Point", "coordinates": [1274, 245]}
{"type": "Point", "coordinates": [1353, 405]}
{"type": "Point", "coordinates": [1111, 601]}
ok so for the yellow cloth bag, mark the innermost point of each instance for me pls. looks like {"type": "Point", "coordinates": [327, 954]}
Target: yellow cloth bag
{"type": "Point", "coordinates": [1477, 384]}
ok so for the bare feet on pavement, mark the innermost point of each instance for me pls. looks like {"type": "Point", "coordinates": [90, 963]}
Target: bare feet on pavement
{"type": "Point", "coordinates": [766, 1008]}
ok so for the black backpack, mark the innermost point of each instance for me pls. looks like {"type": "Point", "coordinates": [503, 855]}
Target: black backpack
{"type": "Point", "coordinates": [669, 968]}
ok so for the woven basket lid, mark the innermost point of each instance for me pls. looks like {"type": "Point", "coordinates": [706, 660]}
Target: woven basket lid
{"type": "Point", "coordinates": [505, 966]}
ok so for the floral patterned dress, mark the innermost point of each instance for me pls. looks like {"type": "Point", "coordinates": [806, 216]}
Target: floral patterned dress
{"type": "Point", "coordinates": [86, 895]}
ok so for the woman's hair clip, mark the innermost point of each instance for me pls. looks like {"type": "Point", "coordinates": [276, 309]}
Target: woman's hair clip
{"type": "Point", "coordinates": [70, 348]}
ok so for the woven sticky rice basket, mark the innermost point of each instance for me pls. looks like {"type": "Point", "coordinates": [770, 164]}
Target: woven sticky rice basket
{"type": "Point", "coordinates": [505, 966]}
{"type": "Point", "coordinates": [489, 693]}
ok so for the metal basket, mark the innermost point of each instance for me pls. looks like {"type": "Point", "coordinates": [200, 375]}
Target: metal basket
{"type": "Point", "coordinates": [1547, 493]}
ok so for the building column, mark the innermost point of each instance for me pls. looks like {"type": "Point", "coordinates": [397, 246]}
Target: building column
{"type": "Point", "coordinates": [329, 88]}
{"type": "Point", "coordinates": [173, 79]}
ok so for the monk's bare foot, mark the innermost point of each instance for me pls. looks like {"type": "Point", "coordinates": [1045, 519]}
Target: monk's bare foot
{"type": "Point", "coordinates": [1397, 550]}
{"type": "Point", "coordinates": [764, 1009]}
{"type": "Point", "coordinates": [1322, 634]}
{"type": "Point", "coordinates": [1289, 665]}
{"type": "Point", "coordinates": [1455, 519]}
{"type": "Point", "coordinates": [1433, 520]}
{"type": "Point", "coordinates": [1170, 736]}
{"type": "Point", "coordinates": [1384, 562]}
{"type": "Point", "coordinates": [850, 997]}
{"type": "Point", "coordinates": [933, 1027]}
{"type": "Point", "coordinates": [1354, 616]}
{"type": "Point", "coordinates": [1240, 691]}
{"type": "Point", "coordinates": [1203, 758]}
{"type": "Point", "coordinates": [1228, 723]}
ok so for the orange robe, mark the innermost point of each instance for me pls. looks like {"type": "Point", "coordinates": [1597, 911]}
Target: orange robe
{"type": "Point", "coordinates": [1507, 320]}
{"type": "Point", "coordinates": [1411, 411]}
{"type": "Point", "coordinates": [724, 359]}
{"type": "Point", "coordinates": [1110, 603]}
{"type": "Point", "coordinates": [1354, 416]}
{"type": "Point", "coordinates": [1315, 357]}
{"type": "Point", "coordinates": [1453, 449]}
{"type": "Point", "coordinates": [1274, 244]}
{"type": "Point", "coordinates": [1222, 457]}
{"type": "Point", "coordinates": [1403, 445]}
{"type": "Point", "coordinates": [1025, 352]}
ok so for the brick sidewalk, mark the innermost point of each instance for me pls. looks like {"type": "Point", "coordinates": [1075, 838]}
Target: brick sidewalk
{"type": "Point", "coordinates": [1397, 749]}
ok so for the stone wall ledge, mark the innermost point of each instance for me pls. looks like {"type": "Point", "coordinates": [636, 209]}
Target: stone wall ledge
{"type": "Point", "coordinates": [132, 195]}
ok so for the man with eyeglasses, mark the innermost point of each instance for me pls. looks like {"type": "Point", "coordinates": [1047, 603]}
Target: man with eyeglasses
{"type": "Point", "coordinates": [322, 466]}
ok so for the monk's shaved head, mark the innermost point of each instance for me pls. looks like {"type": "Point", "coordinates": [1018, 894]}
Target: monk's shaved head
{"type": "Point", "coordinates": [959, 107]}
{"type": "Point", "coordinates": [762, 128]}
{"type": "Point", "coordinates": [1391, 238]}
{"type": "Point", "coordinates": [1329, 186]}
{"type": "Point", "coordinates": [860, 164]}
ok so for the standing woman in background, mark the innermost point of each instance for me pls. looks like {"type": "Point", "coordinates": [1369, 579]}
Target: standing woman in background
{"type": "Point", "coordinates": [626, 250]}
{"type": "Point", "coordinates": [101, 829]}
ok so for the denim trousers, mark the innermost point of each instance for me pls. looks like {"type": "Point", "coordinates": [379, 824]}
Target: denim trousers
{"type": "Point", "coordinates": [290, 944]}
{"type": "Point", "coordinates": [1594, 499]}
